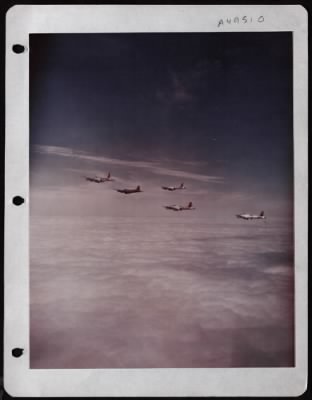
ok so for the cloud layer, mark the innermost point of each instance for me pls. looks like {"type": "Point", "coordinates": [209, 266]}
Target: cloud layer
{"type": "Point", "coordinates": [160, 293]}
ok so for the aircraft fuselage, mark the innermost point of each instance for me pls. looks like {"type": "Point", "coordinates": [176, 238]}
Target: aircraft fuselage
{"type": "Point", "coordinates": [249, 217]}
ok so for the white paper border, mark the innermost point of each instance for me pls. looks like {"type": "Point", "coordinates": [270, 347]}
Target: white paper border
{"type": "Point", "coordinates": [21, 381]}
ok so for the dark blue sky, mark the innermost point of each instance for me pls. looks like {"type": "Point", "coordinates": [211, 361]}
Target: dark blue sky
{"type": "Point", "coordinates": [224, 99]}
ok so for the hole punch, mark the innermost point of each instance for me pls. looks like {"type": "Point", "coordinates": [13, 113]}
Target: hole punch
{"type": "Point", "coordinates": [18, 200]}
{"type": "Point", "coordinates": [18, 48]}
{"type": "Point", "coordinates": [17, 352]}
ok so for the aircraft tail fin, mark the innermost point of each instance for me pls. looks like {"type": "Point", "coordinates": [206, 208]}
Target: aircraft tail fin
{"type": "Point", "coordinates": [190, 204]}
{"type": "Point", "coordinates": [138, 187]}
{"type": "Point", "coordinates": [262, 214]}
{"type": "Point", "coordinates": [108, 175]}
{"type": "Point", "coordinates": [182, 185]}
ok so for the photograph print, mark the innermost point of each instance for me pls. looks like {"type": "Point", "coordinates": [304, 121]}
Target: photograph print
{"type": "Point", "coordinates": [161, 200]}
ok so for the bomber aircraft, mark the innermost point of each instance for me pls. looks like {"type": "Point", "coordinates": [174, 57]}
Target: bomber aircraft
{"type": "Point", "coordinates": [176, 207]}
{"type": "Point", "coordinates": [249, 216]}
{"type": "Point", "coordinates": [98, 179]}
{"type": "Point", "coordinates": [130, 191]}
{"type": "Point", "coordinates": [172, 188]}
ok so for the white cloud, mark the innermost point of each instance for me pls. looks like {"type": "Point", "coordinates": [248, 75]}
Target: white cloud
{"type": "Point", "coordinates": [150, 166]}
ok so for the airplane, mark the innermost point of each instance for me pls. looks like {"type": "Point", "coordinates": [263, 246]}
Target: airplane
{"type": "Point", "coordinates": [98, 179]}
{"type": "Point", "coordinates": [129, 191]}
{"type": "Point", "coordinates": [249, 216]}
{"type": "Point", "coordinates": [175, 207]}
{"type": "Point", "coordinates": [172, 188]}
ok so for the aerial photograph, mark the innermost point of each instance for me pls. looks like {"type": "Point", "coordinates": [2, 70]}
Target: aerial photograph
{"type": "Point", "coordinates": [161, 200]}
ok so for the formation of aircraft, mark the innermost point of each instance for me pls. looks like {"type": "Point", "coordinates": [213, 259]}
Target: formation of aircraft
{"type": "Point", "coordinates": [176, 207]}
{"type": "Point", "coordinates": [98, 179]}
{"type": "Point", "coordinates": [172, 188]}
{"type": "Point", "coordinates": [130, 191]}
{"type": "Point", "coordinates": [249, 216]}
{"type": "Point", "coordinates": [173, 207]}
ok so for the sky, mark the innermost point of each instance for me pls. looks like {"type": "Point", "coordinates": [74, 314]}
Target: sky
{"type": "Point", "coordinates": [212, 110]}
